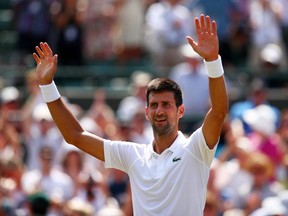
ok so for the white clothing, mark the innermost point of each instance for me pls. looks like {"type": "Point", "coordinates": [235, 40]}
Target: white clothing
{"type": "Point", "coordinates": [57, 183]}
{"type": "Point", "coordinates": [52, 139]}
{"type": "Point", "coordinates": [132, 30]}
{"type": "Point", "coordinates": [161, 19]}
{"type": "Point", "coordinates": [172, 183]}
{"type": "Point", "coordinates": [195, 102]}
{"type": "Point", "coordinates": [266, 27]}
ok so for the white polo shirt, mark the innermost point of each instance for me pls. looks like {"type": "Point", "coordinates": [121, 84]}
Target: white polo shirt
{"type": "Point", "coordinates": [172, 183]}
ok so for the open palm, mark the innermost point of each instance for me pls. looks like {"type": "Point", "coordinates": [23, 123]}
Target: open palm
{"type": "Point", "coordinates": [207, 46]}
{"type": "Point", "coordinates": [46, 63]}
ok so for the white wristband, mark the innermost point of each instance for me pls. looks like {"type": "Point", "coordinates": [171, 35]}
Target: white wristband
{"type": "Point", "coordinates": [214, 68]}
{"type": "Point", "coordinates": [49, 92]}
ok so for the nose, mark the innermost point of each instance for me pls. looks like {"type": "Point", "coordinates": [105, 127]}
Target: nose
{"type": "Point", "coordinates": [159, 110]}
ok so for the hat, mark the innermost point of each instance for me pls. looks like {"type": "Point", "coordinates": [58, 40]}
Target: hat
{"type": "Point", "coordinates": [39, 203]}
{"type": "Point", "coordinates": [273, 206]}
{"type": "Point", "coordinates": [41, 112]}
{"type": "Point", "coordinates": [187, 51]}
{"type": "Point", "coordinates": [262, 119]}
{"type": "Point", "coordinates": [9, 94]}
{"type": "Point", "coordinates": [259, 162]}
{"type": "Point", "coordinates": [234, 212]}
{"type": "Point", "coordinates": [271, 53]}
{"type": "Point", "coordinates": [80, 206]}
{"type": "Point", "coordinates": [140, 78]}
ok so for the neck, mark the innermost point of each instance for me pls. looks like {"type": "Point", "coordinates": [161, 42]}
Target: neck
{"type": "Point", "coordinates": [163, 142]}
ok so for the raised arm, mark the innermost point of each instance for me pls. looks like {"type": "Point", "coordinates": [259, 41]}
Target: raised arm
{"type": "Point", "coordinates": [208, 48]}
{"type": "Point", "coordinates": [68, 125]}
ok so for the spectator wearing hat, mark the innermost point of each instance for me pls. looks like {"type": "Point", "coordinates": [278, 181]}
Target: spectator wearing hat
{"type": "Point", "coordinates": [76, 206]}
{"type": "Point", "coordinates": [48, 179]}
{"type": "Point", "coordinates": [256, 95]}
{"type": "Point", "coordinates": [130, 104]}
{"type": "Point", "coordinates": [263, 122]}
{"type": "Point", "coordinates": [10, 106]}
{"type": "Point", "coordinates": [38, 204]}
{"type": "Point", "coordinates": [168, 22]}
{"type": "Point", "coordinates": [192, 73]}
{"type": "Point", "coordinates": [262, 170]}
{"type": "Point", "coordinates": [42, 132]}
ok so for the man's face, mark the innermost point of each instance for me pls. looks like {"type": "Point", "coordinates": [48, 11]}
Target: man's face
{"type": "Point", "coordinates": [163, 113]}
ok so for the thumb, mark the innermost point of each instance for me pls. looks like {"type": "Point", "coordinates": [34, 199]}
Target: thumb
{"type": "Point", "coordinates": [55, 59]}
{"type": "Point", "coordinates": [192, 43]}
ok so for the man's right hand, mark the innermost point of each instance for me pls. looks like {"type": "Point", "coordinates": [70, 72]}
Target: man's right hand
{"type": "Point", "coordinates": [46, 63]}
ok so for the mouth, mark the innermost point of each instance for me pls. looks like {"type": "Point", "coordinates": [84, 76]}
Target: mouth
{"type": "Point", "coordinates": [160, 120]}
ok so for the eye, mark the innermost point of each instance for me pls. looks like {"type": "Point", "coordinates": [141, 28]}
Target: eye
{"type": "Point", "coordinates": [153, 105]}
{"type": "Point", "coordinates": [166, 104]}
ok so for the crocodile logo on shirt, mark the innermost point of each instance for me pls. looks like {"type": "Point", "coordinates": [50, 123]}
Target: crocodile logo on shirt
{"type": "Point", "coordinates": [175, 159]}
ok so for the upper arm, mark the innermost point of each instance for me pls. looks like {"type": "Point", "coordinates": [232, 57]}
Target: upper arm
{"type": "Point", "coordinates": [216, 116]}
{"type": "Point", "coordinates": [91, 144]}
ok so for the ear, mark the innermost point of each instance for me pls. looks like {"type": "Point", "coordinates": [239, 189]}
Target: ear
{"type": "Point", "coordinates": [146, 113]}
{"type": "Point", "coordinates": [181, 110]}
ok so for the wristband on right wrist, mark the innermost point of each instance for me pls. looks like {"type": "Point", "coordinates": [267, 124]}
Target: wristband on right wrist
{"type": "Point", "coordinates": [50, 92]}
{"type": "Point", "coordinates": [214, 68]}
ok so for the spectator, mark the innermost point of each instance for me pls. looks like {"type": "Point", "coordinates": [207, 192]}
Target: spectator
{"type": "Point", "coordinates": [168, 22]}
{"type": "Point", "coordinates": [262, 170]}
{"type": "Point", "coordinates": [48, 179]}
{"type": "Point", "coordinates": [78, 207]}
{"type": "Point", "coordinates": [138, 129]}
{"type": "Point", "coordinates": [67, 17]}
{"type": "Point", "coordinates": [129, 42]}
{"type": "Point", "coordinates": [192, 73]}
{"type": "Point", "coordinates": [270, 206]}
{"type": "Point", "coordinates": [265, 21]}
{"type": "Point", "coordinates": [93, 189]}
{"type": "Point", "coordinates": [129, 105]}
{"type": "Point", "coordinates": [73, 164]}
{"type": "Point", "coordinates": [284, 24]}
{"type": "Point", "coordinates": [231, 175]}
{"type": "Point", "coordinates": [38, 204]}
{"type": "Point", "coordinates": [263, 122]}
{"type": "Point", "coordinates": [12, 195]}
{"type": "Point", "coordinates": [256, 95]}
{"type": "Point", "coordinates": [223, 12]}
{"type": "Point", "coordinates": [32, 20]}
{"type": "Point", "coordinates": [99, 30]}
{"type": "Point", "coordinates": [41, 133]}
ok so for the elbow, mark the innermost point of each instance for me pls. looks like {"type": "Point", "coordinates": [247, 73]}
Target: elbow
{"type": "Point", "coordinates": [221, 111]}
{"type": "Point", "coordinates": [72, 138]}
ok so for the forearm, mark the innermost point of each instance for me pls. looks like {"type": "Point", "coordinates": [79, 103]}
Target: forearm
{"type": "Point", "coordinates": [218, 96]}
{"type": "Point", "coordinates": [69, 126]}
{"type": "Point", "coordinates": [215, 118]}
{"type": "Point", "coordinates": [217, 86]}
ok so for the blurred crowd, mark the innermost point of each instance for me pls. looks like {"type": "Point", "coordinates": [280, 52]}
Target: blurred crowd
{"type": "Point", "coordinates": [123, 31]}
{"type": "Point", "coordinates": [40, 174]}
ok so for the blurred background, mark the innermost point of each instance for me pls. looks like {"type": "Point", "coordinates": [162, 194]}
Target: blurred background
{"type": "Point", "coordinates": [108, 52]}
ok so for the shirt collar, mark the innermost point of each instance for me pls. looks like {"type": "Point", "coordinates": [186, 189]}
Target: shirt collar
{"type": "Point", "coordinates": [175, 145]}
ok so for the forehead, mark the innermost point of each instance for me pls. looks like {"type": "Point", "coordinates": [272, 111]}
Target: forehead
{"type": "Point", "coordinates": [161, 96]}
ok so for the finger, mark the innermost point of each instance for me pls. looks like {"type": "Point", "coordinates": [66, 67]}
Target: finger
{"type": "Point", "coordinates": [214, 28]}
{"type": "Point", "coordinates": [197, 26]}
{"type": "Point", "coordinates": [36, 58]}
{"type": "Point", "coordinates": [191, 42]}
{"type": "Point", "coordinates": [47, 50]}
{"type": "Point", "coordinates": [202, 23]}
{"type": "Point", "coordinates": [39, 51]}
{"type": "Point", "coordinates": [208, 24]}
{"type": "Point", "coordinates": [55, 59]}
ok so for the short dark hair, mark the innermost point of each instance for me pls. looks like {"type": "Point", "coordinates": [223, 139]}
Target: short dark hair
{"type": "Point", "coordinates": [164, 84]}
